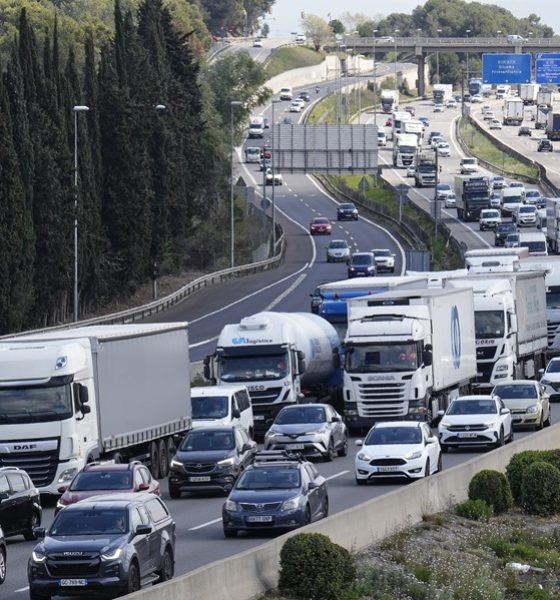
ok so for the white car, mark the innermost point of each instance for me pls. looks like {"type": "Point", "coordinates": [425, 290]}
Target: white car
{"type": "Point", "coordinates": [527, 400]}
{"type": "Point", "coordinates": [258, 43]}
{"type": "Point", "coordinates": [410, 171]}
{"type": "Point", "coordinates": [488, 115]}
{"type": "Point", "coordinates": [451, 103]}
{"type": "Point", "coordinates": [451, 201]}
{"type": "Point", "coordinates": [489, 218]}
{"type": "Point", "coordinates": [397, 449]}
{"type": "Point", "coordinates": [443, 149]}
{"type": "Point", "coordinates": [477, 98]}
{"type": "Point", "coordinates": [275, 179]}
{"type": "Point", "coordinates": [435, 141]}
{"type": "Point", "coordinates": [475, 421]}
{"type": "Point", "coordinates": [295, 106]}
{"type": "Point", "coordinates": [443, 191]}
{"type": "Point", "coordinates": [550, 378]}
{"type": "Point", "coordinates": [439, 107]}
{"type": "Point", "coordinates": [525, 214]}
{"type": "Point", "coordinates": [533, 197]}
{"type": "Point", "coordinates": [384, 260]}
{"type": "Point", "coordinates": [495, 124]}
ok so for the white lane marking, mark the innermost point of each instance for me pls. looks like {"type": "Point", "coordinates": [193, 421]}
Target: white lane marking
{"type": "Point", "coordinates": [286, 292]}
{"type": "Point", "coordinates": [22, 589]}
{"type": "Point", "coordinates": [336, 475]}
{"type": "Point", "coordinates": [204, 342]}
{"type": "Point", "coordinates": [205, 525]}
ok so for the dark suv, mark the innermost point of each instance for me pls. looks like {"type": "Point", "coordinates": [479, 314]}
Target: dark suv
{"type": "Point", "coordinates": [210, 459]}
{"type": "Point", "coordinates": [362, 264]}
{"type": "Point", "coordinates": [104, 545]}
{"type": "Point", "coordinates": [3, 556]}
{"type": "Point", "coordinates": [502, 231]}
{"type": "Point", "coordinates": [347, 211]}
{"type": "Point", "coordinates": [20, 503]}
{"type": "Point", "coordinates": [545, 146]}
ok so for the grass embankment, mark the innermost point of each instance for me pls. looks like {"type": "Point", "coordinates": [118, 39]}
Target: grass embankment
{"type": "Point", "coordinates": [286, 59]}
{"type": "Point", "coordinates": [341, 108]}
{"type": "Point", "coordinates": [481, 147]}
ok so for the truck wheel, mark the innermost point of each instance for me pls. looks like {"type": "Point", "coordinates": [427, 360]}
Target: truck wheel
{"type": "Point", "coordinates": [154, 460]}
{"type": "Point", "coordinates": [171, 449]}
{"type": "Point", "coordinates": [163, 458]}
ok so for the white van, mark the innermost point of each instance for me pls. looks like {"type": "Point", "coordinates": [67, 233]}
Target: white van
{"type": "Point", "coordinates": [516, 39]}
{"type": "Point", "coordinates": [253, 154]}
{"type": "Point", "coordinates": [381, 137]}
{"type": "Point", "coordinates": [216, 405]}
{"type": "Point", "coordinates": [256, 127]}
{"type": "Point", "coordinates": [468, 165]}
{"type": "Point", "coordinates": [535, 242]}
{"type": "Point", "coordinates": [286, 93]}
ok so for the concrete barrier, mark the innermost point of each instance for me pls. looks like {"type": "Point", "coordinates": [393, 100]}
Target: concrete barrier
{"type": "Point", "coordinates": [246, 576]}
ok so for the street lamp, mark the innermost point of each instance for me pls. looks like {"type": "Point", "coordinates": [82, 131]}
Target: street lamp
{"type": "Point", "coordinates": [232, 105]}
{"type": "Point", "coordinates": [395, 39]}
{"type": "Point", "coordinates": [273, 183]}
{"type": "Point", "coordinates": [76, 109]}
{"type": "Point", "coordinates": [438, 31]}
{"type": "Point", "coordinates": [467, 32]}
{"type": "Point", "coordinates": [374, 80]}
{"type": "Point", "coordinates": [499, 32]}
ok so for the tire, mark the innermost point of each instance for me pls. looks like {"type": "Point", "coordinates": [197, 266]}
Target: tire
{"type": "Point", "coordinates": [307, 517]}
{"type": "Point", "coordinates": [167, 567]}
{"type": "Point", "coordinates": [154, 460]}
{"type": "Point", "coordinates": [133, 584]}
{"type": "Point", "coordinates": [230, 533]}
{"type": "Point", "coordinates": [344, 449]}
{"type": "Point", "coordinates": [511, 436]}
{"type": "Point", "coordinates": [444, 448]}
{"type": "Point", "coordinates": [117, 458]}
{"type": "Point", "coordinates": [34, 521]}
{"type": "Point", "coordinates": [171, 449]}
{"type": "Point", "coordinates": [331, 453]}
{"type": "Point", "coordinates": [500, 441]}
{"type": "Point", "coordinates": [163, 458]}
{"type": "Point", "coordinates": [427, 469]}
{"type": "Point", "coordinates": [548, 421]}
{"type": "Point", "coordinates": [2, 565]}
{"type": "Point", "coordinates": [326, 507]}
{"type": "Point", "coordinates": [361, 481]}
{"type": "Point", "coordinates": [35, 596]}
{"type": "Point", "coordinates": [440, 463]}
{"type": "Point", "coordinates": [539, 426]}
{"type": "Point", "coordinates": [174, 492]}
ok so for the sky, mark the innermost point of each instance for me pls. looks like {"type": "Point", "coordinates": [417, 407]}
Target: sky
{"type": "Point", "coordinates": [285, 17]}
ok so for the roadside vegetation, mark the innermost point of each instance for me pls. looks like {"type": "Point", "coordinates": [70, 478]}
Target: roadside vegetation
{"type": "Point", "coordinates": [285, 59]}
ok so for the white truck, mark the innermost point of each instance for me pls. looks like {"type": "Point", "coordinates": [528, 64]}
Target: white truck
{"type": "Point", "coordinates": [541, 116]}
{"type": "Point", "coordinates": [78, 395]}
{"type": "Point", "coordinates": [405, 150]}
{"type": "Point", "coordinates": [442, 92]}
{"type": "Point", "coordinates": [408, 352]}
{"type": "Point", "coordinates": [528, 92]}
{"type": "Point", "coordinates": [502, 91]}
{"type": "Point", "coordinates": [256, 127]}
{"type": "Point", "coordinates": [512, 199]}
{"type": "Point", "coordinates": [545, 96]}
{"type": "Point", "coordinates": [425, 173]}
{"type": "Point", "coordinates": [553, 224]}
{"type": "Point", "coordinates": [414, 127]}
{"type": "Point", "coordinates": [280, 357]}
{"type": "Point", "coordinates": [398, 118]}
{"type": "Point", "coordinates": [513, 111]}
{"type": "Point", "coordinates": [389, 100]}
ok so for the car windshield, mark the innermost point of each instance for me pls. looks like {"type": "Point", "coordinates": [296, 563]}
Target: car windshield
{"type": "Point", "coordinates": [298, 415]}
{"type": "Point", "coordinates": [472, 407]}
{"type": "Point", "coordinates": [347, 207]}
{"type": "Point", "coordinates": [532, 194]}
{"type": "Point", "coordinates": [35, 404]}
{"type": "Point", "coordinates": [338, 245]}
{"type": "Point", "coordinates": [361, 259]}
{"type": "Point", "coordinates": [489, 324]}
{"type": "Point", "coordinates": [527, 209]}
{"type": "Point", "coordinates": [269, 479]}
{"type": "Point", "coordinates": [489, 214]}
{"type": "Point", "coordinates": [90, 521]}
{"type": "Point", "coordinates": [209, 407]}
{"type": "Point", "coordinates": [515, 391]}
{"type": "Point", "coordinates": [101, 480]}
{"type": "Point", "coordinates": [379, 358]}
{"type": "Point", "coordinates": [506, 227]}
{"type": "Point", "coordinates": [443, 187]}
{"type": "Point", "coordinates": [381, 436]}
{"type": "Point", "coordinates": [320, 221]}
{"type": "Point", "coordinates": [203, 441]}
{"type": "Point", "coordinates": [253, 368]}
{"type": "Point", "coordinates": [381, 252]}
{"type": "Point", "coordinates": [553, 366]}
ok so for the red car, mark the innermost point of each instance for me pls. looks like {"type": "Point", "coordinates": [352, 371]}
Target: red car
{"type": "Point", "coordinates": [320, 225]}
{"type": "Point", "coordinates": [105, 478]}
{"type": "Point", "coordinates": [389, 122]}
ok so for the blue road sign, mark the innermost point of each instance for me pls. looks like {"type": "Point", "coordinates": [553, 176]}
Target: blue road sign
{"type": "Point", "coordinates": [547, 68]}
{"type": "Point", "coordinates": [506, 68]}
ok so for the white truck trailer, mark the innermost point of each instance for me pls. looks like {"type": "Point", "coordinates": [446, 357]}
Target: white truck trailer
{"type": "Point", "coordinates": [73, 396]}
{"type": "Point", "coordinates": [442, 92]}
{"type": "Point", "coordinates": [414, 127]}
{"type": "Point", "coordinates": [405, 150]}
{"type": "Point", "coordinates": [398, 118]}
{"type": "Point", "coordinates": [281, 358]}
{"type": "Point", "coordinates": [513, 111]}
{"type": "Point", "coordinates": [553, 224]}
{"type": "Point", "coordinates": [408, 352]}
{"type": "Point", "coordinates": [528, 92]}
{"type": "Point", "coordinates": [545, 96]}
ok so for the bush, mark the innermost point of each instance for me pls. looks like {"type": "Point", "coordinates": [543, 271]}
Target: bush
{"type": "Point", "coordinates": [516, 467]}
{"type": "Point", "coordinates": [476, 510]}
{"type": "Point", "coordinates": [314, 568]}
{"type": "Point", "coordinates": [492, 487]}
{"type": "Point", "coordinates": [540, 489]}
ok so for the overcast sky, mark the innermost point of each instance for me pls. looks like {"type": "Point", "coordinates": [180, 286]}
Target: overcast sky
{"type": "Point", "coordinates": [286, 13]}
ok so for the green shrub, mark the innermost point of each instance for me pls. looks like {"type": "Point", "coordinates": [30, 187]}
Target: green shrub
{"type": "Point", "coordinates": [492, 487]}
{"type": "Point", "coordinates": [314, 568]}
{"type": "Point", "coordinates": [540, 489]}
{"type": "Point", "coordinates": [519, 462]}
{"type": "Point", "coordinates": [476, 510]}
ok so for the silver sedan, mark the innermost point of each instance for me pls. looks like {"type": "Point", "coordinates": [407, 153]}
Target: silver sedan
{"type": "Point", "coordinates": [527, 400]}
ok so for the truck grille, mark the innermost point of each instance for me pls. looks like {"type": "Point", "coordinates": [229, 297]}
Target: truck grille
{"type": "Point", "coordinates": [485, 352]}
{"type": "Point", "coordinates": [40, 466]}
{"type": "Point", "coordinates": [382, 399]}
{"type": "Point", "coordinates": [485, 370]}
{"type": "Point", "coordinates": [265, 396]}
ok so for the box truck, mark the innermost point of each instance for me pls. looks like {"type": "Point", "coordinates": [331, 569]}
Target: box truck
{"type": "Point", "coordinates": [528, 92]}
{"type": "Point", "coordinates": [78, 395]}
{"type": "Point", "coordinates": [281, 358]}
{"type": "Point", "coordinates": [472, 194]}
{"type": "Point", "coordinates": [513, 111]}
{"type": "Point", "coordinates": [407, 353]}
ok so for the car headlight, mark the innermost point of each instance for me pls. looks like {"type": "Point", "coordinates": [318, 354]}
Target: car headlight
{"type": "Point", "coordinates": [317, 431]}
{"type": "Point", "coordinates": [363, 456]}
{"type": "Point", "coordinates": [67, 475]}
{"type": "Point", "coordinates": [227, 462]}
{"type": "Point", "coordinates": [490, 424]}
{"type": "Point", "coordinates": [290, 503]}
{"type": "Point", "coordinates": [414, 455]}
{"type": "Point", "coordinates": [177, 464]}
{"type": "Point", "coordinates": [531, 410]}
{"type": "Point", "coordinates": [112, 554]}
{"type": "Point", "coordinates": [444, 425]}
{"type": "Point", "coordinates": [271, 434]}
{"type": "Point", "coordinates": [231, 506]}
{"type": "Point", "coordinates": [38, 557]}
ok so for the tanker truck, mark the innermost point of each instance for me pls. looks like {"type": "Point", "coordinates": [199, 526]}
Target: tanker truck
{"type": "Point", "coordinates": [281, 358]}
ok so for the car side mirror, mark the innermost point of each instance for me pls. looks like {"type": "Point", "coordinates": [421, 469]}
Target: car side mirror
{"type": "Point", "coordinates": [541, 371]}
{"type": "Point", "coordinates": [143, 487]}
{"type": "Point", "coordinates": [359, 443]}
{"type": "Point", "coordinates": [235, 413]}
{"type": "Point", "coordinates": [143, 529]}
{"type": "Point", "coordinates": [39, 532]}
{"type": "Point", "coordinates": [247, 447]}
{"type": "Point", "coordinates": [504, 411]}
{"type": "Point", "coordinates": [440, 413]}
{"type": "Point", "coordinates": [85, 409]}
{"type": "Point", "coordinates": [313, 485]}
{"type": "Point", "coordinates": [431, 440]}
{"type": "Point", "coordinates": [335, 420]}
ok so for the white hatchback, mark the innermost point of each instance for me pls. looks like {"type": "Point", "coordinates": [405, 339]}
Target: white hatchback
{"type": "Point", "coordinates": [397, 449]}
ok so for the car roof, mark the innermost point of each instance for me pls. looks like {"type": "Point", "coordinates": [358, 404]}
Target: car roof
{"type": "Point", "coordinates": [385, 424]}
{"type": "Point", "coordinates": [315, 219]}
{"type": "Point", "coordinates": [346, 204]}
{"type": "Point", "coordinates": [307, 405]}
{"type": "Point", "coordinates": [338, 242]}
{"type": "Point", "coordinates": [108, 467]}
{"type": "Point", "coordinates": [117, 500]}
{"type": "Point", "coordinates": [210, 429]}
{"type": "Point", "coordinates": [517, 382]}
{"type": "Point", "coordinates": [474, 397]}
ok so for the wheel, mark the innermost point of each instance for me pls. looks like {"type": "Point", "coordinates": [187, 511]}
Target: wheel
{"type": "Point", "coordinates": [540, 424]}
{"type": "Point", "coordinates": [444, 448]}
{"type": "Point", "coordinates": [344, 449]}
{"type": "Point", "coordinates": [500, 441]}
{"type": "Point", "coordinates": [230, 533]}
{"type": "Point", "coordinates": [171, 449]}
{"type": "Point", "coordinates": [34, 521]}
{"type": "Point", "coordinates": [117, 458]}
{"type": "Point", "coordinates": [35, 596]}
{"type": "Point", "coordinates": [154, 460]}
{"type": "Point", "coordinates": [331, 453]}
{"type": "Point", "coordinates": [307, 517]}
{"type": "Point", "coordinates": [133, 579]}
{"type": "Point", "coordinates": [167, 567]}
{"type": "Point", "coordinates": [326, 507]}
{"type": "Point", "coordinates": [440, 463]}
{"type": "Point", "coordinates": [427, 469]}
{"type": "Point", "coordinates": [163, 458]}
{"type": "Point", "coordinates": [2, 565]}
{"type": "Point", "coordinates": [511, 436]}
{"type": "Point", "coordinates": [361, 481]}
{"type": "Point", "coordinates": [174, 492]}
{"type": "Point", "coordinates": [548, 421]}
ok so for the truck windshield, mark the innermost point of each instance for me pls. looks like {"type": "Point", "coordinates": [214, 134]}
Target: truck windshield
{"type": "Point", "coordinates": [253, 368]}
{"type": "Point", "coordinates": [380, 358]}
{"type": "Point", "coordinates": [553, 296]}
{"type": "Point", "coordinates": [35, 404]}
{"type": "Point", "coordinates": [488, 324]}
{"type": "Point", "coordinates": [426, 168]}
{"type": "Point", "coordinates": [407, 149]}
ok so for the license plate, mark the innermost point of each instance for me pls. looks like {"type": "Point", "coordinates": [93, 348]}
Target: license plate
{"type": "Point", "coordinates": [260, 519]}
{"type": "Point", "coordinates": [199, 479]}
{"type": "Point", "coordinates": [72, 582]}
{"type": "Point", "coordinates": [467, 434]}
{"type": "Point", "coordinates": [386, 469]}
{"type": "Point", "coordinates": [258, 417]}
{"type": "Point", "coordinates": [295, 446]}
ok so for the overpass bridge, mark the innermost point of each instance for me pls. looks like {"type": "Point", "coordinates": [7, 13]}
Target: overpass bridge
{"type": "Point", "coordinates": [422, 47]}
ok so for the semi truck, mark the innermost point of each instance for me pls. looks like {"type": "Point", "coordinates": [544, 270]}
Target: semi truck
{"type": "Point", "coordinates": [528, 92]}
{"type": "Point", "coordinates": [553, 126]}
{"type": "Point", "coordinates": [472, 193]}
{"type": "Point", "coordinates": [389, 100]}
{"type": "Point", "coordinates": [78, 395]}
{"type": "Point", "coordinates": [398, 118]}
{"type": "Point", "coordinates": [442, 92]}
{"type": "Point", "coordinates": [475, 87]}
{"type": "Point", "coordinates": [545, 96]}
{"type": "Point", "coordinates": [405, 150]}
{"type": "Point", "coordinates": [425, 174]}
{"type": "Point", "coordinates": [541, 116]}
{"type": "Point", "coordinates": [553, 224]}
{"type": "Point", "coordinates": [513, 111]}
{"type": "Point", "coordinates": [414, 127]}
{"type": "Point", "coordinates": [281, 358]}
{"type": "Point", "coordinates": [407, 353]}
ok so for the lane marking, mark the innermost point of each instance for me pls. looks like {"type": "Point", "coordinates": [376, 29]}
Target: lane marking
{"type": "Point", "coordinates": [205, 525]}
{"type": "Point", "coordinates": [24, 589]}
{"type": "Point", "coordinates": [336, 475]}
{"type": "Point", "coordinates": [286, 292]}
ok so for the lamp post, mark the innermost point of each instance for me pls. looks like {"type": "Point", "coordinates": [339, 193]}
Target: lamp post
{"type": "Point", "coordinates": [436, 212]}
{"type": "Point", "coordinates": [395, 39]}
{"type": "Point", "coordinates": [499, 33]}
{"type": "Point", "coordinates": [356, 78]}
{"type": "Point", "coordinates": [76, 109]}
{"type": "Point", "coordinates": [273, 183]}
{"type": "Point", "coordinates": [232, 105]}
{"type": "Point", "coordinates": [374, 80]}
{"type": "Point", "coordinates": [438, 31]}
{"type": "Point", "coordinates": [467, 32]}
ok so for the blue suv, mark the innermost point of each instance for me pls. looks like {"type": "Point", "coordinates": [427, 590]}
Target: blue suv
{"type": "Point", "coordinates": [362, 264]}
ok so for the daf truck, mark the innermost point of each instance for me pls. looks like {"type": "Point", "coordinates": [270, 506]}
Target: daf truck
{"type": "Point", "coordinates": [281, 358]}
{"type": "Point", "coordinates": [513, 111]}
{"type": "Point", "coordinates": [472, 193]}
{"type": "Point", "coordinates": [405, 150]}
{"type": "Point", "coordinates": [407, 353]}
{"type": "Point", "coordinates": [78, 395]}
